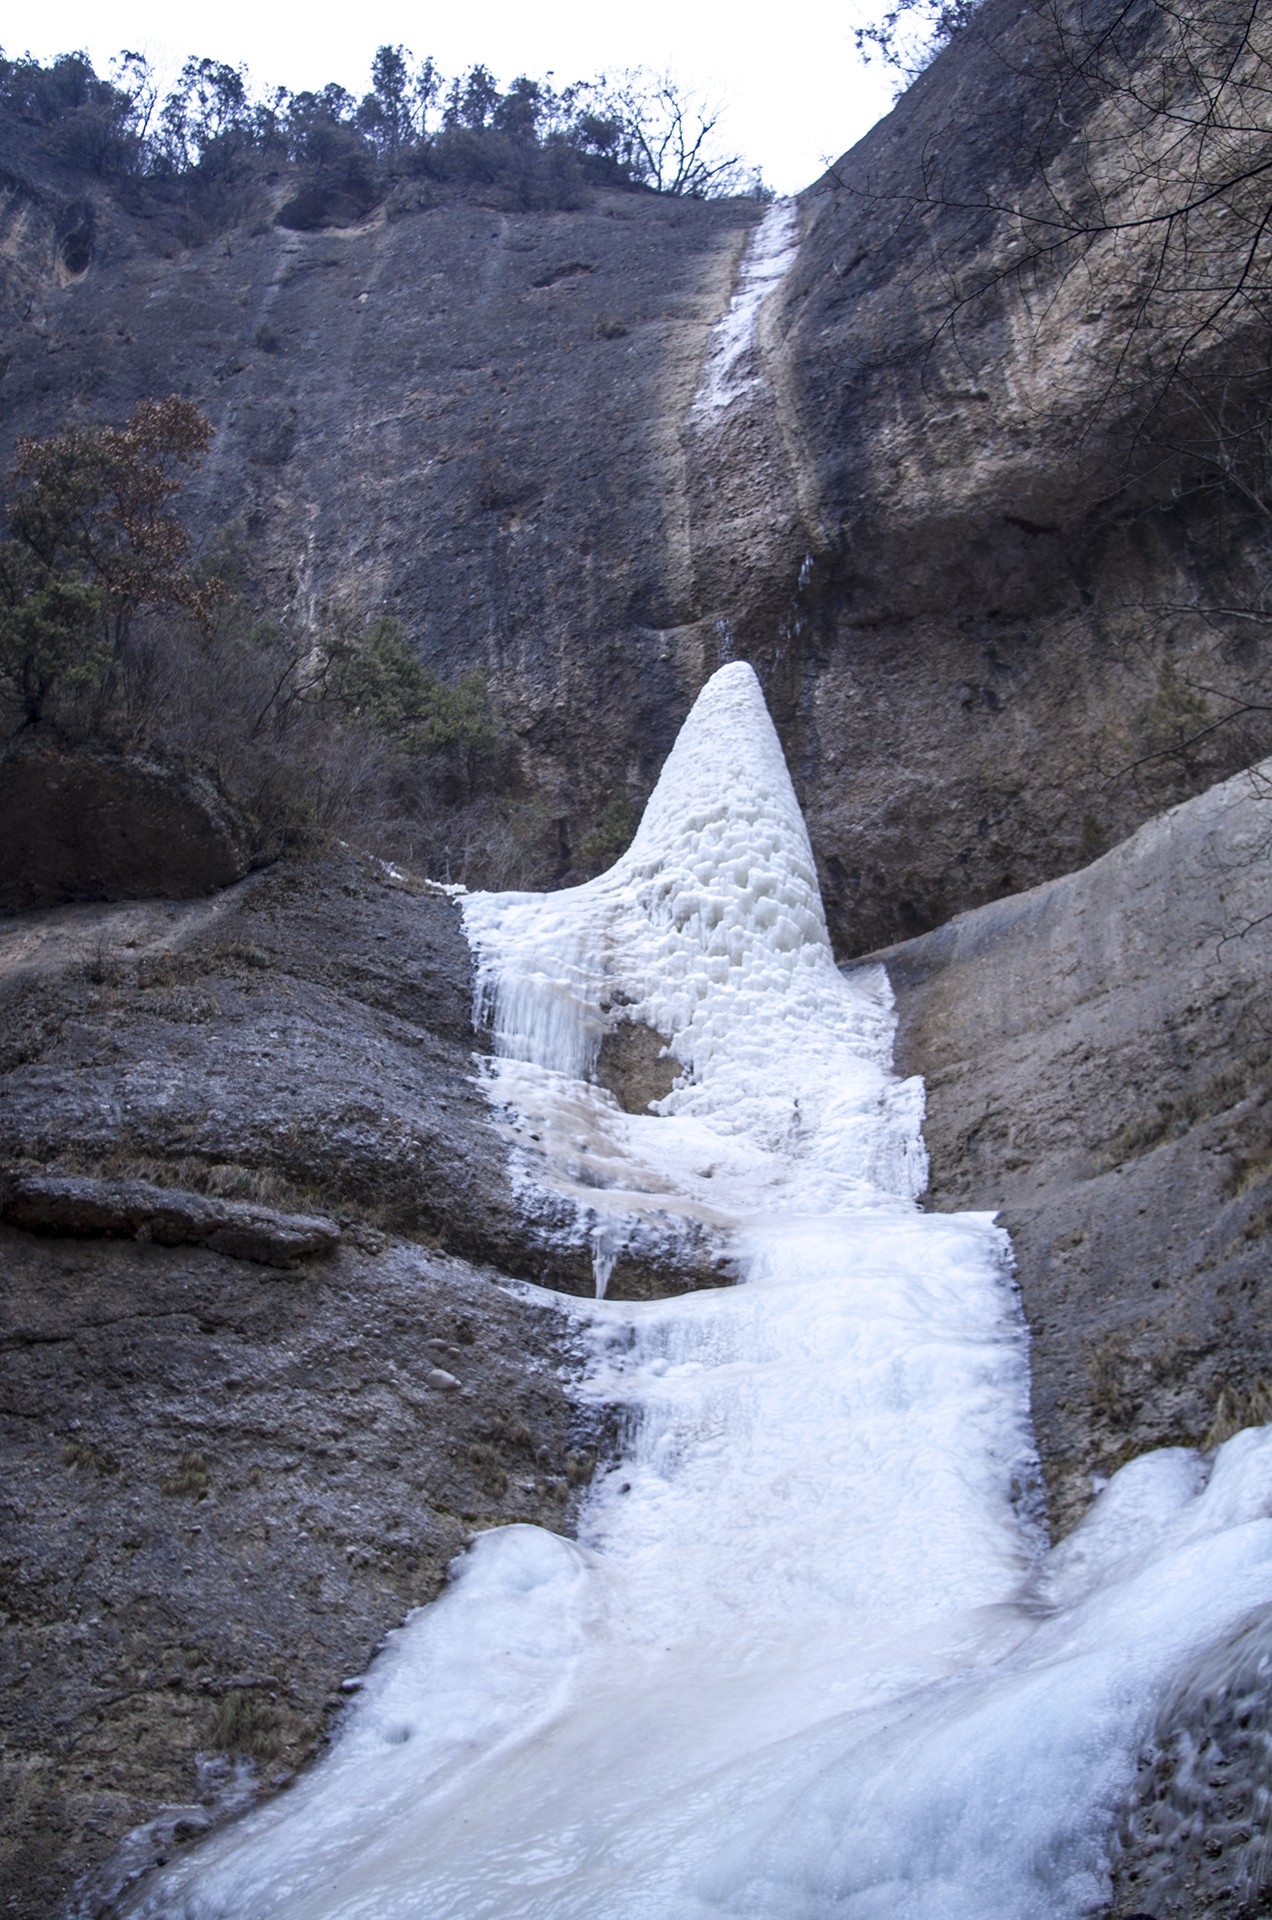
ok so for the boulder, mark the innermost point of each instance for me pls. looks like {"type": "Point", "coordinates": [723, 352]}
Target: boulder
{"type": "Point", "coordinates": [83, 823]}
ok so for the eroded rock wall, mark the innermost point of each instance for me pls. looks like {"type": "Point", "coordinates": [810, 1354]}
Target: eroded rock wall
{"type": "Point", "coordinates": [1002, 557]}
{"type": "Point", "coordinates": [1097, 1055]}
{"type": "Point", "coordinates": [224, 1479]}
{"type": "Point", "coordinates": [222, 1487]}
{"type": "Point", "coordinates": [468, 419]}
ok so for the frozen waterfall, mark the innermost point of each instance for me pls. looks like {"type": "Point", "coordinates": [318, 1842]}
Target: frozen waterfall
{"type": "Point", "coordinates": [810, 1655]}
{"type": "Point", "coordinates": [729, 369]}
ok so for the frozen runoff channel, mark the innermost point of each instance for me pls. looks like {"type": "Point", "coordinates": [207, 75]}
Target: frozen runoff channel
{"type": "Point", "coordinates": [730, 368]}
{"type": "Point", "coordinates": [810, 1654]}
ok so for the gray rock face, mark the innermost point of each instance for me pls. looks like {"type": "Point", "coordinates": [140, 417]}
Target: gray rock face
{"type": "Point", "coordinates": [307, 1033]}
{"type": "Point", "coordinates": [305, 1040]}
{"type": "Point", "coordinates": [221, 1486]}
{"type": "Point", "coordinates": [466, 418]}
{"type": "Point", "coordinates": [237, 1445]}
{"type": "Point", "coordinates": [635, 1065]}
{"type": "Point", "coordinates": [1193, 1840]}
{"type": "Point", "coordinates": [1099, 1069]}
{"type": "Point", "coordinates": [996, 575]}
{"type": "Point", "coordinates": [86, 824]}
{"type": "Point", "coordinates": [959, 597]}
{"type": "Point", "coordinates": [1097, 1061]}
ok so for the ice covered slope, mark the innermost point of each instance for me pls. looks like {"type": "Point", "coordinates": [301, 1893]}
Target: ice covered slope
{"type": "Point", "coordinates": [809, 1656]}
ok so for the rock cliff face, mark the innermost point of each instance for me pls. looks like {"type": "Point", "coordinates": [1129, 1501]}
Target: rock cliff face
{"type": "Point", "coordinates": [914, 516]}
{"type": "Point", "coordinates": [465, 418]}
{"type": "Point", "coordinates": [1096, 1054]}
{"type": "Point", "coordinates": [233, 1455]}
{"type": "Point", "coordinates": [1096, 1058]}
{"type": "Point", "coordinates": [963, 610]}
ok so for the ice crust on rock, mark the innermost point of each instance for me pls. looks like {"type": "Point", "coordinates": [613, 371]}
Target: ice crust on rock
{"type": "Point", "coordinates": [729, 369]}
{"type": "Point", "coordinates": [809, 1656]}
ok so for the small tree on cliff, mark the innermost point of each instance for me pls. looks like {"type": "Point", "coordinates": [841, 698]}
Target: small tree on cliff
{"type": "Point", "coordinates": [660, 136]}
{"type": "Point", "coordinates": [912, 32]}
{"type": "Point", "coordinates": [92, 544]}
{"type": "Point", "coordinates": [387, 114]}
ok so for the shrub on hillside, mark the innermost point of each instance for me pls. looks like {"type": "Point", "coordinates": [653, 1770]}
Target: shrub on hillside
{"type": "Point", "coordinates": [111, 634]}
{"type": "Point", "coordinates": [92, 547]}
{"type": "Point", "coordinates": [526, 146]}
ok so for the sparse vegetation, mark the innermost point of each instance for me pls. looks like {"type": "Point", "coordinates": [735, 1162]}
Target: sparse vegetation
{"type": "Point", "coordinates": [111, 634]}
{"type": "Point", "coordinates": [1171, 1119]}
{"type": "Point", "coordinates": [247, 1722]}
{"type": "Point", "coordinates": [910, 33]}
{"type": "Point", "coordinates": [1093, 839]}
{"type": "Point", "coordinates": [1175, 722]}
{"type": "Point", "coordinates": [579, 1468]}
{"type": "Point", "coordinates": [92, 548]}
{"type": "Point", "coordinates": [1112, 1396]}
{"type": "Point", "coordinates": [611, 836]}
{"type": "Point", "coordinates": [87, 1459]}
{"type": "Point", "coordinates": [1236, 1409]}
{"type": "Point", "coordinates": [192, 1479]}
{"type": "Point", "coordinates": [1251, 1167]}
{"type": "Point", "coordinates": [1142, 1398]}
{"type": "Point", "coordinates": [490, 1467]}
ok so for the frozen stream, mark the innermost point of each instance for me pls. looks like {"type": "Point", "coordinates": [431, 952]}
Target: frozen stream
{"type": "Point", "coordinates": [810, 1655]}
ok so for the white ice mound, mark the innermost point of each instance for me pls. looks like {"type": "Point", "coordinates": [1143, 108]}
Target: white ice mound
{"type": "Point", "coordinates": [710, 930]}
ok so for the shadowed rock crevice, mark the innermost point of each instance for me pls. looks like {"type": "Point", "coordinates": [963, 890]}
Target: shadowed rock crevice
{"type": "Point", "coordinates": [87, 824]}
{"type": "Point", "coordinates": [79, 1208]}
{"type": "Point", "coordinates": [635, 1066]}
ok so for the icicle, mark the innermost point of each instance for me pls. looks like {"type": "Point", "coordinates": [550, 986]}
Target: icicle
{"type": "Point", "coordinates": [607, 1244]}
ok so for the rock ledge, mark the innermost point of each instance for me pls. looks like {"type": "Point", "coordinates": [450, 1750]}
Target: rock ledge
{"type": "Point", "coordinates": [74, 1205]}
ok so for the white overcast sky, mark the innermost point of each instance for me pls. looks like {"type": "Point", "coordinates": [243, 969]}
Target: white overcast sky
{"type": "Point", "coordinates": [793, 90]}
